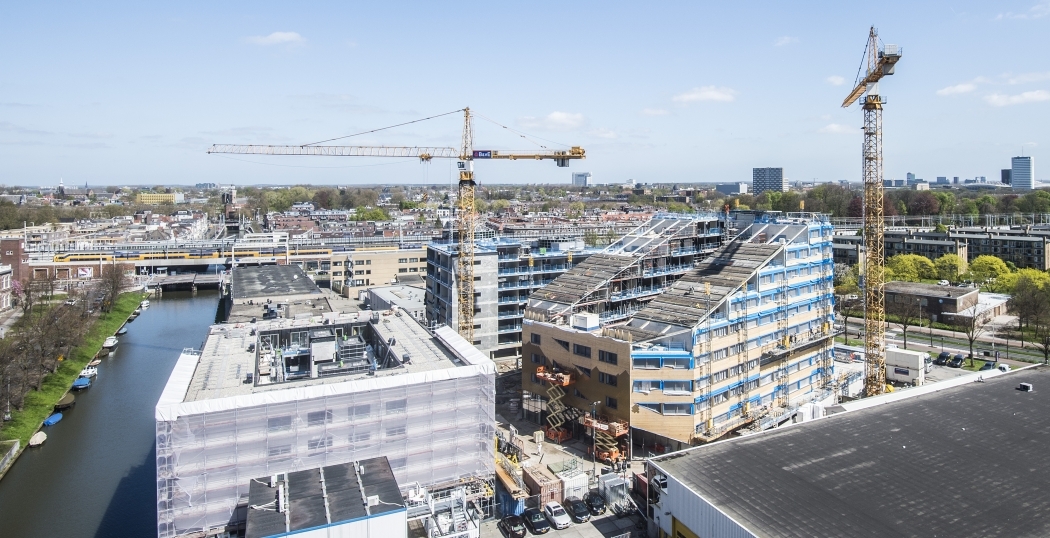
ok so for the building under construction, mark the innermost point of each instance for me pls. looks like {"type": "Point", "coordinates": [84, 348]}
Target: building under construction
{"type": "Point", "coordinates": [738, 342]}
{"type": "Point", "coordinates": [508, 270]}
{"type": "Point", "coordinates": [278, 396]}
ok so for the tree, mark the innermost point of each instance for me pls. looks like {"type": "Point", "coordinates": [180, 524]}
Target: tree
{"type": "Point", "coordinates": [971, 323]}
{"type": "Point", "coordinates": [986, 268]}
{"type": "Point", "coordinates": [924, 203]}
{"type": "Point", "coordinates": [949, 267]}
{"type": "Point", "coordinates": [910, 268]}
{"type": "Point", "coordinates": [1041, 330]}
{"type": "Point", "coordinates": [575, 210]}
{"type": "Point", "coordinates": [848, 305]}
{"type": "Point", "coordinates": [909, 313]}
{"type": "Point", "coordinates": [1026, 289]}
{"type": "Point", "coordinates": [113, 281]}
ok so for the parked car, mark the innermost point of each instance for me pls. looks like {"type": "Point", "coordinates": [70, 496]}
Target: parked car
{"type": "Point", "coordinates": [957, 361]}
{"type": "Point", "coordinates": [512, 526]}
{"type": "Point", "coordinates": [556, 515]}
{"type": "Point", "coordinates": [942, 282]}
{"type": "Point", "coordinates": [577, 509]}
{"type": "Point", "coordinates": [943, 358]}
{"type": "Point", "coordinates": [595, 503]}
{"type": "Point", "coordinates": [988, 366]}
{"type": "Point", "coordinates": [535, 521]}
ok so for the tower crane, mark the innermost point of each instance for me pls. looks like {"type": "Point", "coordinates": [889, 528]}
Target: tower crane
{"type": "Point", "coordinates": [466, 218]}
{"type": "Point", "coordinates": [878, 62]}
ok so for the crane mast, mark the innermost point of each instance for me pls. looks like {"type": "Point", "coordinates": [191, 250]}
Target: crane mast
{"type": "Point", "coordinates": [878, 63]}
{"type": "Point", "coordinates": [466, 218]}
{"type": "Point", "coordinates": [467, 222]}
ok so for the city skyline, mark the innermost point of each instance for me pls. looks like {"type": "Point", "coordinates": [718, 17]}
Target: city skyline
{"type": "Point", "coordinates": [115, 95]}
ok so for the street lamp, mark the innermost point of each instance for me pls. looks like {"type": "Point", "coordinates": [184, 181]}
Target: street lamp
{"type": "Point", "coordinates": [594, 440]}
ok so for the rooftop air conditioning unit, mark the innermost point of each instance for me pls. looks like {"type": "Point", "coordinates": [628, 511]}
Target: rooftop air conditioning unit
{"type": "Point", "coordinates": [586, 321]}
{"type": "Point", "coordinates": [1025, 387]}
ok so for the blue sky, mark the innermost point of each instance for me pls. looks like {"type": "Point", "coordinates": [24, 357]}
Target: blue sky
{"type": "Point", "coordinates": [111, 93]}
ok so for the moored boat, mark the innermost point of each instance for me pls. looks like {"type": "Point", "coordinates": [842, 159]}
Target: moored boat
{"type": "Point", "coordinates": [123, 330]}
{"type": "Point", "coordinates": [144, 304]}
{"type": "Point", "coordinates": [96, 362]}
{"type": "Point", "coordinates": [89, 372]}
{"type": "Point", "coordinates": [53, 419]}
{"type": "Point", "coordinates": [111, 342]}
{"type": "Point", "coordinates": [37, 439]}
{"type": "Point", "coordinates": [66, 402]}
{"type": "Point", "coordinates": [81, 383]}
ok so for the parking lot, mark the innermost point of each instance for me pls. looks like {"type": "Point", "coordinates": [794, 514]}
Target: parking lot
{"type": "Point", "coordinates": [607, 525]}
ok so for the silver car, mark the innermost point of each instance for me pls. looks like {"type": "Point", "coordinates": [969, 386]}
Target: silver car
{"type": "Point", "coordinates": [557, 515]}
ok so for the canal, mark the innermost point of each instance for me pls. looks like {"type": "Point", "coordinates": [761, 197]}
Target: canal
{"type": "Point", "coordinates": [95, 476]}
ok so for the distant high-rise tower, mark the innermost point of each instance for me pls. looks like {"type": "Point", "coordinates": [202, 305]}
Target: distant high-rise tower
{"type": "Point", "coordinates": [767, 179]}
{"type": "Point", "coordinates": [581, 179]}
{"type": "Point", "coordinates": [1022, 173]}
{"type": "Point", "coordinates": [1006, 176]}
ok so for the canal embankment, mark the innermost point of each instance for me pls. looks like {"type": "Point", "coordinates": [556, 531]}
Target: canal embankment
{"type": "Point", "coordinates": [40, 404]}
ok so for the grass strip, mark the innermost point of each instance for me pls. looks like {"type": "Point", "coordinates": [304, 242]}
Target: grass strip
{"type": "Point", "coordinates": [41, 403]}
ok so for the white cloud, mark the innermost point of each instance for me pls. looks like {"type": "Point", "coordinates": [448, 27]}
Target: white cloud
{"type": "Point", "coordinates": [707, 93]}
{"type": "Point", "coordinates": [785, 40]}
{"type": "Point", "coordinates": [838, 128]}
{"type": "Point", "coordinates": [277, 38]}
{"type": "Point", "coordinates": [836, 80]}
{"type": "Point", "coordinates": [555, 121]}
{"type": "Point", "coordinates": [1028, 77]}
{"type": "Point", "coordinates": [654, 112]}
{"type": "Point", "coordinates": [603, 133]}
{"type": "Point", "coordinates": [1038, 11]}
{"type": "Point", "coordinates": [965, 87]}
{"type": "Point", "coordinates": [998, 99]}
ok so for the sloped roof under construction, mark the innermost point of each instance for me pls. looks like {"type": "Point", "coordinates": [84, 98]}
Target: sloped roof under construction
{"type": "Point", "coordinates": [685, 304]}
{"type": "Point", "coordinates": [573, 286]}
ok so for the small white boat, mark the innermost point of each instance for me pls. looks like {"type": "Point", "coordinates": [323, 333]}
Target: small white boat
{"type": "Point", "coordinates": [37, 439]}
{"type": "Point", "coordinates": [110, 342]}
{"type": "Point", "coordinates": [144, 304]}
{"type": "Point", "coordinates": [89, 372]}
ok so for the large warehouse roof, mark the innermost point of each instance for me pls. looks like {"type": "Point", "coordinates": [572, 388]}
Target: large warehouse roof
{"type": "Point", "coordinates": [968, 461]}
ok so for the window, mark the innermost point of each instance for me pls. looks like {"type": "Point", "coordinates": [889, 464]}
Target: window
{"type": "Point", "coordinates": [359, 272]}
{"type": "Point", "coordinates": [368, 262]}
{"type": "Point", "coordinates": [402, 260]}
{"type": "Point", "coordinates": [413, 260]}
{"type": "Point", "coordinates": [398, 463]}
{"type": "Point", "coordinates": [610, 402]}
{"type": "Point", "coordinates": [396, 407]}
{"type": "Point", "coordinates": [413, 269]}
{"type": "Point", "coordinates": [562, 343]}
{"type": "Point", "coordinates": [316, 418]}
{"type": "Point", "coordinates": [360, 411]}
{"type": "Point", "coordinates": [402, 270]}
{"type": "Point", "coordinates": [537, 358]}
{"type": "Point", "coordinates": [678, 387]}
{"type": "Point", "coordinates": [279, 450]}
{"type": "Point", "coordinates": [583, 351]}
{"type": "Point", "coordinates": [277, 424]}
{"type": "Point", "coordinates": [586, 371]}
{"type": "Point", "coordinates": [607, 356]}
{"type": "Point", "coordinates": [608, 379]}
{"type": "Point", "coordinates": [395, 431]}
{"type": "Point", "coordinates": [720, 376]}
{"type": "Point", "coordinates": [360, 437]}
{"type": "Point", "coordinates": [535, 338]}
{"type": "Point", "coordinates": [359, 262]}
{"type": "Point", "coordinates": [319, 443]}
{"type": "Point", "coordinates": [678, 409]}
{"type": "Point", "coordinates": [645, 386]}
{"type": "Point", "coordinates": [576, 392]}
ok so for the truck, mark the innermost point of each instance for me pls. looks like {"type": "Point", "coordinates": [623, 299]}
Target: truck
{"type": "Point", "coordinates": [905, 366]}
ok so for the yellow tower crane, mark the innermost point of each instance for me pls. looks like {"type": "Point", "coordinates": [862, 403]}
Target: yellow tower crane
{"type": "Point", "coordinates": [466, 154]}
{"type": "Point", "coordinates": [878, 62]}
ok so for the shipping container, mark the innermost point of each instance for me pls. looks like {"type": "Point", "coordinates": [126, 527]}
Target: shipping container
{"type": "Point", "coordinates": [574, 484]}
{"type": "Point", "coordinates": [508, 505]}
{"type": "Point", "coordinates": [542, 483]}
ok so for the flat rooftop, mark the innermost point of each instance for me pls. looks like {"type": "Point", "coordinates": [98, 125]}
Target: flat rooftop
{"type": "Point", "coordinates": [407, 297]}
{"type": "Point", "coordinates": [919, 288]}
{"type": "Point", "coordinates": [966, 461]}
{"type": "Point", "coordinates": [225, 361]}
{"type": "Point", "coordinates": [321, 497]}
{"type": "Point", "coordinates": [253, 282]}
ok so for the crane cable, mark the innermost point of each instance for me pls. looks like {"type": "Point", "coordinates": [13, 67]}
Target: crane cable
{"type": "Point", "coordinates": [519, 133]}
{"type": "Point", "coordinates": [382, 128]}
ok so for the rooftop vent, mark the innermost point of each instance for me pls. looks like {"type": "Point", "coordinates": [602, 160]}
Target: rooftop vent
{"type": "Point", "coordinates": [1025, 387]}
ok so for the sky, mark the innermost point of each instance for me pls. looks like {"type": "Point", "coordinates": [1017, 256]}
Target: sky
{"type": "Point", "coordinates": [134, 93]}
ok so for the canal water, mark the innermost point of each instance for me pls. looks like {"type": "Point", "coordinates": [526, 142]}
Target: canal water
{"type": "Point", "coordinates": [96, 475]}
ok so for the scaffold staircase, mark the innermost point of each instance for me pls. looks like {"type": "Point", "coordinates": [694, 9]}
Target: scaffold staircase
{"type": "Point", "coordinates": [827, 314]}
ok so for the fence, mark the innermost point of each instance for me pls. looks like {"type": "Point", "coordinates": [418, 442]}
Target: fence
{"type": "Point", "coordinates": [9, 456]}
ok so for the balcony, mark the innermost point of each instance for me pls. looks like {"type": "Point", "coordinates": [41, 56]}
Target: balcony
{"type": "Point", "coordinates": [670, 269]}
{"type": "Point", "coordinates": [638, 292]}
{"type": "Point", "coordinates": [510, 315]}
{"type": "Point", "coordinates": [505, 329]}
